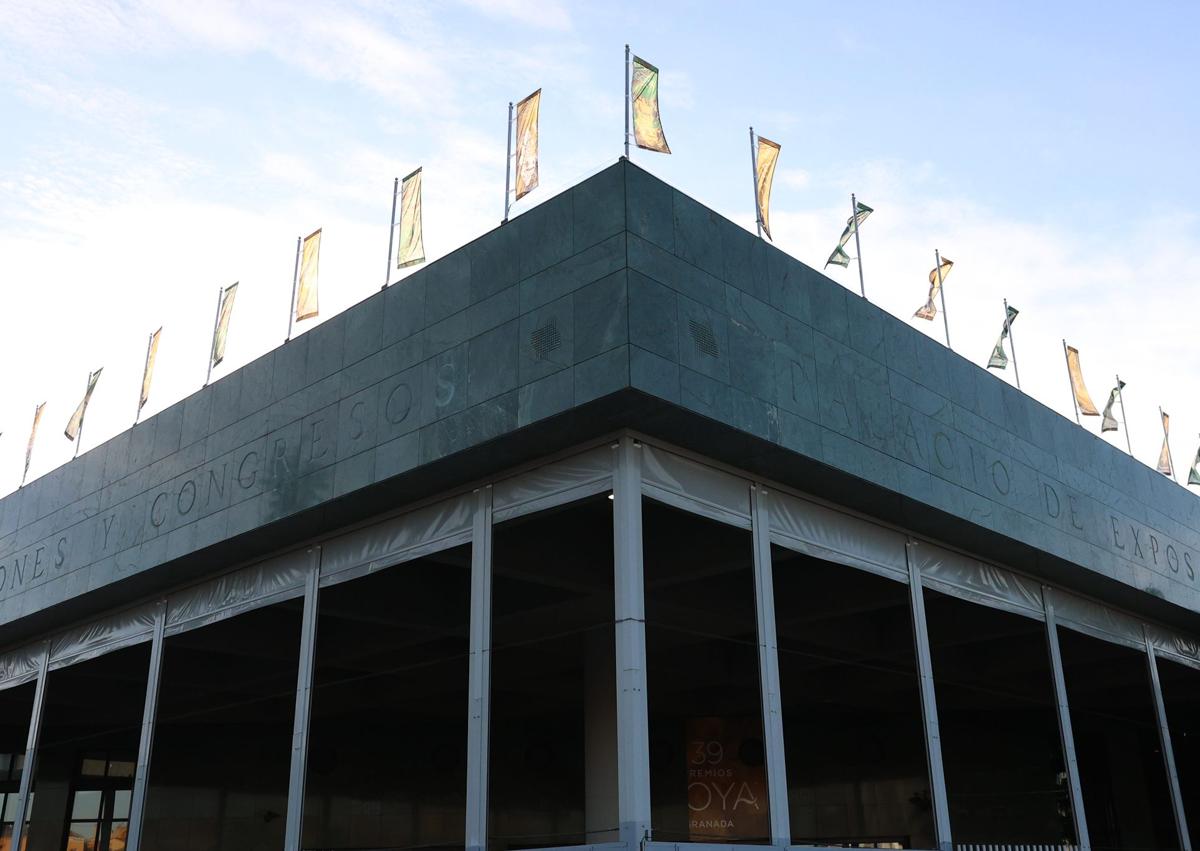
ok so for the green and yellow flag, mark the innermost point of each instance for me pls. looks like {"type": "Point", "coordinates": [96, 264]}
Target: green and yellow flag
{"type": "Point", "coordinates": [310, 260]}
{"type": "Point", "coordinates": [527, 144]}
{"type": "Point", "coordinates": [412, 242]}
{"type": "Point", "coordinates": [37, 418]}
{"type": "Point", "coordinates": [647, 123]}
{"type": "Point", "coordinates": [75, 424]}
{"type": "Point", "coordinates": [1164, 455]}
{"type": "Point", "coordinates": [1109, 421]}
{"type": "Point", "coordinates": [999, 358]}
{"type": "Point", "coordinates": [936, 278]}
{"type": "Point", "coordinates": [1194, 473]}
{"type": "Point", "coordinates": [839, 257]}
{"type": "Point", "coordinates": [764, 166]}
{"type": "Point", "coordinates": [221, 332]}
{"type": "Point", "coordinates": [1083, 399]}
{"type": "Point", "coordinates": [148, 371]}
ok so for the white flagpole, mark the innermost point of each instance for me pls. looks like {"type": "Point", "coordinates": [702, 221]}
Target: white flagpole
{"type": "Point", "coordinates": [1124, 420]}
{"type": "Point", "coordinates": [145, 364]}
{"type": "Point", "coordinates": [862, 287]}
{"type": "Point", "coordinates": [1167, 443]}
{"type": "Point", "coordinates": [508, 161]}
{"type": "Point", "coordinates": [1074, 401]}
{"type": "Point", "coordinates": [754, 183]}
{"type": "Point", "coordinates": [1012, 343]}
{"type": "Point", "coordinates": [387, 277]}
{"type": "Point", "coordinates": [295, 283]}
{"type": "Point", "coordinates": [628, 83]}
{"type": "Point", "coordinates": [213, 342]}
{"type": "Point", "coordinates": [942, 293]}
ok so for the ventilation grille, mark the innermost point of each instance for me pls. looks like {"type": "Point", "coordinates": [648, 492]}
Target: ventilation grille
{"type": "Point", "coordinates": [545, 340]}
{"type": "Point", "coordinates": [706, 340]}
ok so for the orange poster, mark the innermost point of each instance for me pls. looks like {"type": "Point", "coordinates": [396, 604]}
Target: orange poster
{"type": "Point", "coordinates": [727, 780]}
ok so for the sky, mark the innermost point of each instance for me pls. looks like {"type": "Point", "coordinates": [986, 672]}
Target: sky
{"type": "Point", "coordinates": [153, 152]}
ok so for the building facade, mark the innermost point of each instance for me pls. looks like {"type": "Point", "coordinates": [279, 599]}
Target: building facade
{"type": "Point", "coordinates": [615, 528]}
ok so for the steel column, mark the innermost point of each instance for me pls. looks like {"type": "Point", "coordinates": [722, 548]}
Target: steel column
{"type": "Point", "coordinates": [1082, 841]}
{"type": "Point", "coordinates": [300, 724]}
{"type": "Point", "coordinates": [141, 777]}
{"type": "Point", "coordinates": [31, 747]}
{"type": "Point", "coordinates": [480, 672]}
{"type": "Point", "coordinates": [1164, 735]}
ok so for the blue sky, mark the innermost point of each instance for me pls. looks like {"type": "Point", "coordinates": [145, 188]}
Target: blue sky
{"type": "Point", "coordinates": [154, 151]}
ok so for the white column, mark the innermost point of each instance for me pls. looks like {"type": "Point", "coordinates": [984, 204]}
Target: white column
{"type": "Point", "coordinates": [1082, 841]}
{"type": "Point", "coordinates": [633, 724]}
{"type": "Point", "coordinates": [300, 724]}
{"type": "Point", "coordinates": [480, 672]}
{"type": "Point", "coordinates": [1164, 736]}
{"type": "Point", "coordinates": [31, 747]}
{"type": "Point", "coordinates": [141, 777]}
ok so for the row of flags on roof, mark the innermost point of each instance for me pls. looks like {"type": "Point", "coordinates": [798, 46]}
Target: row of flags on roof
{"type": "Point", "coordinates": [644, 127]}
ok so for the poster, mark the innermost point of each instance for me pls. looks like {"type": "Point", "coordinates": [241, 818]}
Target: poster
{"type": "Point", "coordinates": [727, 779]}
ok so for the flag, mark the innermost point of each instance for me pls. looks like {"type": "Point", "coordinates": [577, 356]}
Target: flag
{"type": "Point", "coordinates": [1194, 473]}
{"type": "Point", "coordinates": [936, 278]}
{"type": "Point", "coordinates": [647, 123]}
{"type": "Point", "coordinates": [1109, 423]}
{"type": "Point", "coordinates": [412, 242]}
{"type": "Point", "coordinates": [37, 418]}
{"type": "Point", "coordinates": [148, 372]}
{"type": "Point", "coordinates": [1083, 399]}
{"type": "Point", "coordinates": [839, 257]}
{"type": "Point", "coordinates": [999, 359]}
{"type": "Point", "coordinates": [222, 329]}
{"type": "Point", "coordinates": [75, 424]}
{"type": "Point", "coordinates": [527, 144]}
{"type": "Point", "coordinates": [764, 161]}
{"type": "Point", "coordinates": [310, 259]}
{"type": "Point", "coordinates": [1164, 455]}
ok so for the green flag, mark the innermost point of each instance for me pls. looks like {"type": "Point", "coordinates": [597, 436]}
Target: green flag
{"type": "Point", "coordinates": [999, 358]}
{"type": "Point", "coordinates": [839, 257]}
{"type": "Point", "coordinates": [1194, 473]}
{"type": "Point", "coordinates": [1109, 423]}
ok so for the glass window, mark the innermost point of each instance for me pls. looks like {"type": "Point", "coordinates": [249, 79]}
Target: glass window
{"type": "Point", "coordinates": [1125, 795]}
{"type": "Point", "coordinates": [16, 706]}
{"type": "Point", "coordinates": [1181, 697]}
{"type": "Point", "coordinates": [854, 732]}
{"type": "Point", "coordinates": [92, 716]}
{"type": "Point", "coordinates": [553, 739]}
{"type": "Point", "coordinates": [1001, 748]}
{"type": "Point", "coordinates": [387, 748]}
{"type": "Point", "coordinates": [707, 759]}
{"type": "Point", "coordinates": [222, 741]}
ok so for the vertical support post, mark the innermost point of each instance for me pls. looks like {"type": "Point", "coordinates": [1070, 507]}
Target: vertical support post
{"type": "Point", "coordinates": [480, 672]}
{"type": "Point", "coordinates": [141, 776]}
{"type": "Point", "coordinates": [300, 724]}
{"type": "Point", "coordinates": [768, 669]}
{"type": "Point", "coordinates": [937, 257]}
{"type": "Point", "coordinates": [295, 283]}
{"type": "Point", "coordinates": [1082, 841]}
{"type": "Point", "coordinates": [754, 183]}
{"type": "Point", "coordinates": [862, 287]}
{"type": "Point", "coordinates": [628, 83]}
{"type": "Point", "coordinates": [1164, 737]}
{"type": "Point", "coordinates": [508, 161]}
{"type": "Point", "coordinates": [633, 717]}
{"type": "Point", "coordinates": [1074, 401]}
{"type": "Point", "coordinates": [212, 343]}
{"type": "Point", "coordinates": [1012, 341]}
{"type": "Point", "coordinates": [1124, 419]}
{"type": "Point", "coordinates": [387, 275]}
{"type": "Point", "coordinates": [1167, 443]}
{"type": "Point", "coordinates": [31, 748]}
{"type": "Point", "coordinates": [933, 739]}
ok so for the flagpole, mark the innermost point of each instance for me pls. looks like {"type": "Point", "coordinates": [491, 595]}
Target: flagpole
{"type": "Point", "coordinates": [1167, 443]}
{"type": "Point", "coordinates": [508, 162]}
{"type": "Point", "coordinates": [295, 283]}
{"type": "Point", "coordinates": [138, 415]}
{"type": "Point", "coordinates": [1124, 419]}
{"type": "Point", "coordinates": [387, 276]}
{"type": "Point", "coordinates": [754, 183]}
{"type": "Point", "coordinates": [212, 343]}
{"type": "Point", "coordinates": [627, 86]}
{"type": "Point", "coordinates": [858, 250]}
{"type": "Point", "coordinates": [1074, 401]}
{"type": "Point", "coordinates": [1012, 342]}
{"type": "Point", "coordinates": [942, 294]}
{"type": "Point", "coordinates": [29, 448]}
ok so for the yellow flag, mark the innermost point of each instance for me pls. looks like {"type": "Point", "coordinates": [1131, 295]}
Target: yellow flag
{"type": "Point", "coordinates": [764, 166]}
{"type": "Point", "coordinates": [37, 418]}
{"type": "Point", "coordinates": [412, 242]}
{"type": "Point", "coordinates": [936, 278]}
{"type": "Point", "coordinates": [148, 372]}
{"type": "Point", "coordinates": [1082, 398]}
{"type": "Point", "coordinates": [310, 258]}
{"type": "Point", "coordinates": [75, 424]}
{"type": "Point", "coordinates": [527, 144]}
{"type": "Point", "coordinates": [647, 123]}
{"type": "Point", "coordinates": [222, 330]}
{"type": "Point", "coordinates": [1164, 456]}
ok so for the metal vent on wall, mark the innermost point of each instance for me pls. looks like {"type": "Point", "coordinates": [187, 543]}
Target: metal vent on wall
{"type": "Point", "coordinates": [706, 340]}
{"type": "Point", "coordinates": [545, 340]}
